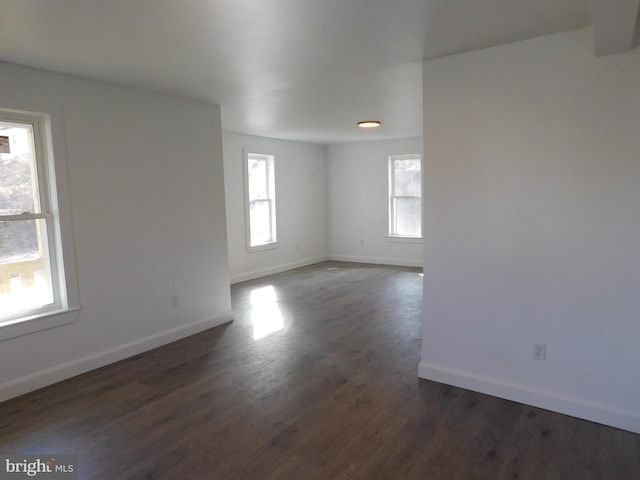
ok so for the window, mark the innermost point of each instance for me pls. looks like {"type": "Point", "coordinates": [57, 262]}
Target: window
{"type": "Point", "coordinates": [31, 276]}
{"type": "Point", "coordinates": [261, 204]}
{"type": "Point", "coordinates": [405, 196]}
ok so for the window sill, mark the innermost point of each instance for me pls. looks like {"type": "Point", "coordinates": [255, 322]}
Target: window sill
{"type": "Point", "coordinates": [398, 239]}
{"type": "Point", "coordinates": [259, 248]}
{"type": "Point", "coordinates": [36, 323]}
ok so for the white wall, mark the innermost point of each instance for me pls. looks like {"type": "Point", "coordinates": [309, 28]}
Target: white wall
{"type": "Point", "coordinates": [300, 206]}
{"type": "Point", "coordinates": [532, 163]}
{"type": "Point", "coordinates": [148, 209]}
{"type": "Point", "coordinates": [358, 203]}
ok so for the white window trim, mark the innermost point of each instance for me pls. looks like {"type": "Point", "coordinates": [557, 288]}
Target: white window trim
{"type": "Point", "coordinates": [264, 246]}
{"type": "Point", "coordinates": [392, 237]}
{"type": "Point", "coordinates": [58, 211]}
{"type": "Point", "coordinates": [272, 198]}
{"type": "Point", "coordinates": [403, 239]}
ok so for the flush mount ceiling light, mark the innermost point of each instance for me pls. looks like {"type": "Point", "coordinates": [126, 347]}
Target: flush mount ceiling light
{"type": "Point", "coordinates": [369, 124]}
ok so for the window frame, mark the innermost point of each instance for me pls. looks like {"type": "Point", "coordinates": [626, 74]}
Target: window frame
{"type": "Point", "coordinates": [392, 197]}
{"type": "Point", "coordinates": [270, 200]}
{"type": "Point", "coordinates": [52, 182]}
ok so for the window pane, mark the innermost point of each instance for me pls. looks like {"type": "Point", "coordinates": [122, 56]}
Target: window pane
{"type": "Point", "coordinates": [17, 171]}
{"type": "Point", "coordinates": [258, 188]}
{"type": "Point", "coordinates": [407, 177]}
{"type": "Point", "coordinates": [25, 280]}
{"type": "Point", "coordinates": [260, 222]}
{"type": "Point", "coordinates": [408, 217]}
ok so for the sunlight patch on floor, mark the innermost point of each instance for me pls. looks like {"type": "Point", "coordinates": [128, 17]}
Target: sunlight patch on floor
{"type": "Point", "coordinates": [265, 312]}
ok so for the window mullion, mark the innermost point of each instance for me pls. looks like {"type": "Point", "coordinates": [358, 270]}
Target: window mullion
{"type": "Point", "coordinates": [25, 216]}
{"type": "Point", "coordinates": [407, 197]}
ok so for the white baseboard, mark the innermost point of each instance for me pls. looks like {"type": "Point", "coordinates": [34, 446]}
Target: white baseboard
{"type": "Point", "coordinates": [243, 277]}
{"type": "Point", "coordinates": [376, 260]}
{"type": "Point", "coordinates": [548, 400]}
{"type": "Point", "coordinates": [58, 373]}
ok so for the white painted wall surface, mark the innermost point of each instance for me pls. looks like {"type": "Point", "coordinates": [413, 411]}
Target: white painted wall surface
{"type": "Point", "coordinates": [358, 203]}
{"type": "Point", "coordinates": [300, 206]}
{"type": "Point", "coordinates": [532, 212]}
{"type": "Point", "coordinates": [148, 210]}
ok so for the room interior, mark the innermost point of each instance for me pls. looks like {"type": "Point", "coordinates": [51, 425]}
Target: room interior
{"type": "Point", "coordinates": [526, 120]}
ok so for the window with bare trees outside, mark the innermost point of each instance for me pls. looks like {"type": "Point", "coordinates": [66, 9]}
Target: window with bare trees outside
{"type": "Point", "coordinates": [261, 201]}
{"type": "Point", "coordinates": [30, 276]}
{"type": "Point", "coordinates": [405, 196]}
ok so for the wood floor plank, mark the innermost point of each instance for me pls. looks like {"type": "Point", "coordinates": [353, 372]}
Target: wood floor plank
{"type": "Point", "coordinates": [331, 394]}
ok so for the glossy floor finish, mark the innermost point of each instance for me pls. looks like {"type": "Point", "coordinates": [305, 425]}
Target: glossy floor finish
{"type": "Point", "coordinates": [315, 379]}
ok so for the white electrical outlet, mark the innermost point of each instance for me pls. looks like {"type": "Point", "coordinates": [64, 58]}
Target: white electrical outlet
{"type": "Point", "coordinates": [540, 351]}
{"type": "Point", "coordinates": [175, 301]}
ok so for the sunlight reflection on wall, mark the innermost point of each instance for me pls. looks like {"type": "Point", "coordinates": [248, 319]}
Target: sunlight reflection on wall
{"type": "Point", "coordinates": [265, 312]}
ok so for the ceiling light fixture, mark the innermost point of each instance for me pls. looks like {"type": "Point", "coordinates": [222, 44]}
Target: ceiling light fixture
{"type": "Point", "coordinates": [369, 124]}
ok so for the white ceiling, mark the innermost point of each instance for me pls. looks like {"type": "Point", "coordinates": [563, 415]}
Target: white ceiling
{"type": "Point", "coordinates": [295, 69]}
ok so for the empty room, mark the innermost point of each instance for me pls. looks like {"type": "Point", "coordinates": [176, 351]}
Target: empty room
{"type": "Point", "coordinates": [338, 239]}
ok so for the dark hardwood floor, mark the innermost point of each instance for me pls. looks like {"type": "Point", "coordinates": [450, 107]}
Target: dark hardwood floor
{"type": "Point", "coordinates": [331, 393]}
